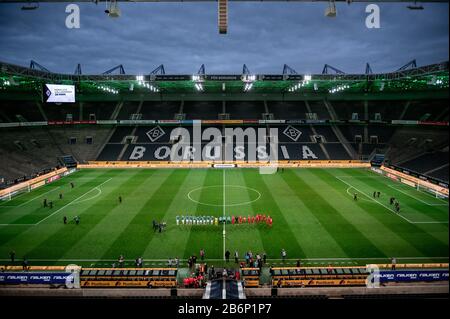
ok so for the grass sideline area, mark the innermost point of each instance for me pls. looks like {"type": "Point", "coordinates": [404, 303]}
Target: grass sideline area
{"type": "Point", "coordinates": [315, 218]}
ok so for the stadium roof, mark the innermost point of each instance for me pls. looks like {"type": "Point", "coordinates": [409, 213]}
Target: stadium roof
{"type": "Point", "coordinates": [409, 78]}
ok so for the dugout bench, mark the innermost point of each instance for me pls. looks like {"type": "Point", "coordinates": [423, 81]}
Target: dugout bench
{"type": "Point", "coordinates": [129, 277]}
{"type": "Point", "coordinates": [318, 276]}
{"type": "Point", "coordinates": [250, 277]}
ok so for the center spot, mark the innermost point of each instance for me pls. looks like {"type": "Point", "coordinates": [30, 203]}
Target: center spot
{"type": "Point", "coordinates": [235, 195]}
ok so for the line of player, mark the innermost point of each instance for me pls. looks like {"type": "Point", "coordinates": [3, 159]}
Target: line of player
{"type": "Point", "coordinates": [233, 220]}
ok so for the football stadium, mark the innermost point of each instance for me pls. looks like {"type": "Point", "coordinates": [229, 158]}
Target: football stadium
{"type": "Point", "coordinates": [224, 186]}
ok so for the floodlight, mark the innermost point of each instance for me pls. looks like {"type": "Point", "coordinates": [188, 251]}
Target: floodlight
{"type": "Point", "coordinates": [199, 87]}
{"type": "Point", "coordinates": [330, 11]}
{"type": "Point", "coordinates": [248, 86]}
{"type": "Point", "coordinates": [112, 9]}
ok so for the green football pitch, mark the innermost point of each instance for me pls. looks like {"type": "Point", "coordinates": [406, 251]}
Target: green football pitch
{"type": "Point", "coordinates": [315, 217]}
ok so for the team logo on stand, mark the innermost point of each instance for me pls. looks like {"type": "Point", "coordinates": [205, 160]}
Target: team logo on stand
{"type": "Point", "coordinates": [293, 133]}
{"type": "Point", "coordinates": [155, 133]}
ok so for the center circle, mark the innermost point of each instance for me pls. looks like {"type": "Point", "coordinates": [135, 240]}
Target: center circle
{"type": "Point", "coordinates": [235, 195]}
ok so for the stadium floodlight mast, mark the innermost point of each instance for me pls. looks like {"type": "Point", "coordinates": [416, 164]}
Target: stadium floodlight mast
{"type": "Point", "coordinates": [415, 6]}
{"type": "Point", "coordinates": [306, 80]}
{"type": "Point", "coordinates": [248, 80]}
{"type": "Point", "coordinates": [339, 88]}
{"type": "Point", "coordinates": [330, 11]}
{"type": "Point", "coordinates": [141, 81]}
{"type": "Point", "coordinates": [112, 9]}
{"type": "Point", "coordinates": [107, 89]}
{"type": "Point", "coordinates": [198, 80]}
{"type": "Point", "coordinates": [30, 6]}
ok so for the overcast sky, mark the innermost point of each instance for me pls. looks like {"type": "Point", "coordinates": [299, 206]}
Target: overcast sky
{"type": "Point", "coordinates": [264, 36]}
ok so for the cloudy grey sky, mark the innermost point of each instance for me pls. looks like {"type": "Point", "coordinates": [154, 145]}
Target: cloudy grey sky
{"type": "Point", "coordinates": [264, 36]}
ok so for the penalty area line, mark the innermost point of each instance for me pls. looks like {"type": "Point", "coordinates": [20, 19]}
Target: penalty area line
{"type": "Point", "coordinates": [16, 206]}
{"type": "Point", "coordinates": [39, 196]}
{"type": "Point", "coordinates": [388, 208]}
{"type": "Point", "coordinates": [73, 201]}
{"type": "Point", "coordinates": [348, 184]}
{"type": "Point", "coordinates": [413, 197]}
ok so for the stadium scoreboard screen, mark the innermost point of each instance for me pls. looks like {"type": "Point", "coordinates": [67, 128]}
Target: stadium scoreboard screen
{"type": "Point", "coordinates": [58, 93]}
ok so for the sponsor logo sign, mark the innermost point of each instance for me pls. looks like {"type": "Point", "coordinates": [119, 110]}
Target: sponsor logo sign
{"type": "Point", "coordinates": [155, 133]}
{"type": "Point", "coordinates": [412, 275]}
{"type": "Point", "coordinates": [53, 178]}
{"type": "Point", "coordinates": [42, 183]}
{"type": "Point", "coordinates": [15, 278]}
{"type": "Point", "coordinates": [293, 133]}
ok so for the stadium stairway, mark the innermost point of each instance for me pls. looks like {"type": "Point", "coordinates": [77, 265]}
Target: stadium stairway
{"type": "Point", "coordinates": [224, 289]}
{"type": "Point", "coordinates": [345, 143]}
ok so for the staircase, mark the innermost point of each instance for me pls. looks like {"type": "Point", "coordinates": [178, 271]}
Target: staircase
{"type": "Point", "coordinates": [377, 160]}
{"type": "Point", "coordinates": [68, 161]}
{"type": "Point", "coordinates": [347, 146]}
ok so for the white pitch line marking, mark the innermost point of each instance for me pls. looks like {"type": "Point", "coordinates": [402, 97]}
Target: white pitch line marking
{"type": "Point", "coordinates": [397, 182]}
{"type": "Point", "coordinates": [39, 196]}
{"type": "Point", "coordinates": [440, 199]}
{"type": "Point", "coordinates": [221, 186]}
{"type": "Point", "coordinates": [348, 189]}
{"type": "Point", "coordinates": [99, 192]}
{"type": "Point", "coordinates": [395, 213]}
{"type": "Point", "coordinates": [412, 196]}
{"type": "Point", "coordinates": [71, 202]}
{"type": "Point", "coordinates": [388, 208]}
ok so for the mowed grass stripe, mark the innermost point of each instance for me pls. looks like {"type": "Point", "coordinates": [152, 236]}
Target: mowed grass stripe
{"type": "Point", "coordinates": [24, 197]}
{"type": "Point", "coordinates": [430, 239]}
{"type": "Point", "coordinates": [411, 208]}
{"type": "Point", "coordinates": [134, 238]}
{"type": "Point", "coordinates": [244, 237]}
{"type": "Point", "coordinates": [27, 215]}
{"type": "Point", "coordinates": [71, 197]}
{"type": "Point", "coordinates": [34, 201]}
{"type": "Point", "coordinates": [359, 213]}
{"type": "Point", "coordinates": [15, 237]}
{"type": "Point", "coordinates": [91, 214]}
{"type": "Point", "coordinates": [202, 236]}
{"type": "Point", "coordinates": [351, 240]}
{"type": "Point", "coordinates": [314, 239]}
{"type": "Point", "coordinates": [174, 240]}
{"type": "Point", "coordinates": [111, 227]}
{"type": "Point", "coordinates": [29, 199]}
{"type": "Point", "coordinates": [420, 210]}
{"type": "Point", "coordinates": [280, 236]}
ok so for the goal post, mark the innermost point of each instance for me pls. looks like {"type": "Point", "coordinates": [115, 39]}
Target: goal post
{"type": "Point", "coordinates": [7, 196]}
{"type": "Point", "coordinates": [436, 192]}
